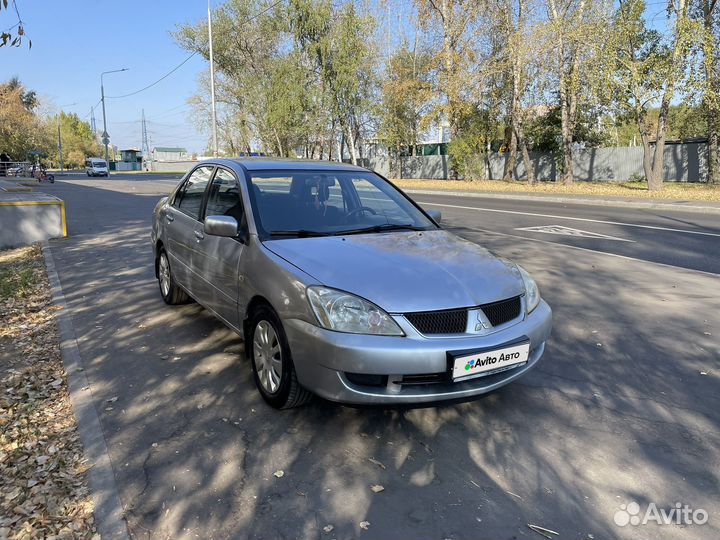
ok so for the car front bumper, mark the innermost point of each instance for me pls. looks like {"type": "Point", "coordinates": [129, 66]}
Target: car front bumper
{"type": "Point", "coordinates": [323, 359]}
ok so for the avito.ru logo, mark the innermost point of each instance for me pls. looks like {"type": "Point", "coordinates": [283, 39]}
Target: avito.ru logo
{"type": "Point", "coordinates": [680, 514]}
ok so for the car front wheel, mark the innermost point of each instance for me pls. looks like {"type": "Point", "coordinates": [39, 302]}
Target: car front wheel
{"type": "Point", "coordinates": [171, 292]}
{"type": "Point", "coordinates": [269, 353]}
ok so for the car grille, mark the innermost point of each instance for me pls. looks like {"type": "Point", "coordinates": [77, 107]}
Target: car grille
{"type": "Point", "coordinates": [454, 321]}
{"type": "Point", "coordinates": [501, 312]}
{"type": "Point", "coordinates": [439, 322]}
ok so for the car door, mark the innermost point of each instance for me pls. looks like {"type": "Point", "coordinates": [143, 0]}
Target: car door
{"type": "Point", "coordinates": [182, 220]}
{"type": "Point", "coordinates": [219, 257]}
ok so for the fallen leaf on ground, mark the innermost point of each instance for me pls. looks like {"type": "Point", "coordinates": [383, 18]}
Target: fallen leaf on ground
{"type": "Point", "coordinates": [364, 525]}
{"type": "Point", "coordinates": [279, 474]}
{"type": "Point", "coordinates": [328, 528]}
{"type": "Point", "coordinates": [42, 469]}
{"type": "Point", "coordinates": [376, 462]}
{"type": "Point", "coordinates": [542, 530]}
{"type": "Point", "coordinates": [377, 488]}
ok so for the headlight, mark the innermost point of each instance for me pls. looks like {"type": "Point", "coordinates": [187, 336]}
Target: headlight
{"type": "Point", "coordinates": [532, 293]}
{"type": "Point", "coordinates": [345, 312]}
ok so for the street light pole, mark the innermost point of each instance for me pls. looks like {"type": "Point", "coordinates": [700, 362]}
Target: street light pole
{"type": "Point", "coordinates": [105, 136]}
{"type": "Point", "coordinates": [212, 84]}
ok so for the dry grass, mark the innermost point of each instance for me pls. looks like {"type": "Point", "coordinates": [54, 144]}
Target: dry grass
{"type": "Point", "coordinates": [634, 190]}
{"type": "Point", "coordinates": [44, 492]}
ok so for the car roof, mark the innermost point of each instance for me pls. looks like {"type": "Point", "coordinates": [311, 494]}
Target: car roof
{"type": "Point", "coordinates": [269, 164]}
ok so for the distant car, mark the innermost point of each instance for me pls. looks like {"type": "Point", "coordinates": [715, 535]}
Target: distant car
{"type": "Point", "coordinates": [96, 167]}
{"type": "Point", "coordinates": [342, 286]}
{"type": "Point", "coordinates": [17, 170]}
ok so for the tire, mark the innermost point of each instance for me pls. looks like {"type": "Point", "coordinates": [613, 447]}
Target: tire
{"type": "Point", "coordinates": [267, 349]}
{"type": "Point", "coordinates": [87, 172]}
{"type": "Point", "coordinates": [170, 291]}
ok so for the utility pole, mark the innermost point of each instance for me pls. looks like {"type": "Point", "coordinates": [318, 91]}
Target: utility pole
{"type": "Point", "coordinates": [105, 136]}
{"type": "Point", "coordinates": [62, 165]}
{"type": "Point", "coordinates": [145, 144]}
{"type": "Point", "coordinates": [212, 85]}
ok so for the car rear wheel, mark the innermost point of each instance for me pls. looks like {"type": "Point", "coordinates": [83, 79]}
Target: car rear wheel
{"type": "Point", "coordinates": [269, 353]}
{"type": "Point", "coordinates": [170, 291]}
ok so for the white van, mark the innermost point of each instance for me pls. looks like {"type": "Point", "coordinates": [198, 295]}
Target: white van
{"type": "Point", "coordinates": [96, 167]}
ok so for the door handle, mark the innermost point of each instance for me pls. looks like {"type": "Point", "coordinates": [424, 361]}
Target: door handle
{"type": "Point", "coordinates": [170, 218]}
{"type": "Point", "coordinates": [199, 235]}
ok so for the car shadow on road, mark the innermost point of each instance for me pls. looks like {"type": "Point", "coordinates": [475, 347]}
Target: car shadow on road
{"type": "Point", "coordinates": [616, 411]}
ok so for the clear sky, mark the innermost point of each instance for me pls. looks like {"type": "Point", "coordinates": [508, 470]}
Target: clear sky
{"type": "Point", "coordinates": [75, 40]}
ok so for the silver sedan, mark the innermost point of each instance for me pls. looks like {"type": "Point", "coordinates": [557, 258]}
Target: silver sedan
{"type": "Point", "coordinates": [341, 286]}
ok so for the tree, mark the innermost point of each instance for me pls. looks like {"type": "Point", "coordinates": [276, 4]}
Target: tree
{"type": "Point", "coordinates": [78, 140]}
{"type": "Point", "coordinates": [337, 43]}
{"type": "Point", "coordinates": [673, 73]}
{"type": "Point", "coordinates": [708, 77]}
{"type": "Point", "coordinates": [512, 22]}
{"type": "Point", "coordinates": [576, 29]}
{"type": "Point", "coordinates": [455, 19]}
{"type": "Point", "coordinates": [649, 71]}
{"type": "Point", "coordinates": [637, 80]}
{"type": "Point", "coordinates": [247, 38]}
{"type": "Point", "coordinates": [21, 130]}
{"type": "Point", "coordinates": [406, 94]}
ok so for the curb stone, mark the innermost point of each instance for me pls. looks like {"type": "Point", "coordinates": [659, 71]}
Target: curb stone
{"type": "Point", "coordinates": [678, 207]}
{"type": "Point", "coordinates": [109, 514]}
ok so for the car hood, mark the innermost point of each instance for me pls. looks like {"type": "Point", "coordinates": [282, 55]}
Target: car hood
{"type": "Point", "coordinates": [404, 271]}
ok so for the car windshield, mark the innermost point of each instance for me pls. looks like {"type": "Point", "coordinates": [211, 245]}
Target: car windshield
{"type": "Point", "coordinates": [99, 164]}
{"type": "Point", "coordinates": [323, 203]}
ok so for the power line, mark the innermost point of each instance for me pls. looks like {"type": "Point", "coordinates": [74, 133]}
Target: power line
{"type": "Point", "coordinates": [173, 70]}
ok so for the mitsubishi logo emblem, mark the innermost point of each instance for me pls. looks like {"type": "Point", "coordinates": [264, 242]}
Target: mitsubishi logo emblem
{"type": "Point", "coordinates": [483, 323]}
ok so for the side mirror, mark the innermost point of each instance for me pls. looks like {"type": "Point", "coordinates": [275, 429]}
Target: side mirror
{"type": "Point", "coordinates": [221, 226]}
{"type": "Point", "coordinates": [436, 215]}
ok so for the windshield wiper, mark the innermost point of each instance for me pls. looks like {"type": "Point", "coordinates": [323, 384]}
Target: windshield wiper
{"type": "Point", "coordinates": [302, 233]}
{"type": "Point", "coordinates": [381, 228]}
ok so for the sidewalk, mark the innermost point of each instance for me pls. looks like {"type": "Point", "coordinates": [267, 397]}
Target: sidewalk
{"type": "Point", "coordinates": [705, 207]}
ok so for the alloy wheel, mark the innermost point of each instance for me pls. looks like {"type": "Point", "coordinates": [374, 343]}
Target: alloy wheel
{"type": "Point", "coordinates": [164, 273]}
{"type": "Point", "coordinates": [268, 356]}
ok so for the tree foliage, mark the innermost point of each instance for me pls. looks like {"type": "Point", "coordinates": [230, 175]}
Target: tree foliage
{"type": "Point", "coordinates": [22, 131]}
{"type": "Point", "coordinates": [306, 78]}
{"type": "Point", "coordinates": [14, 35]}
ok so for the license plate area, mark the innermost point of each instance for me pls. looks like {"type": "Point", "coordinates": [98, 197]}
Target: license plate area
{"type": "Point", "coordinates": [469, 364]}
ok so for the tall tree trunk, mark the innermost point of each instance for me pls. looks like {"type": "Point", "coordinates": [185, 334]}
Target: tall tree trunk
{"type": "Point", "coordinates": [678, 54]}
{"type": "Point", "coordinates": [567, 75]}
{"type": "Point", "coordinates": [711, 100]}
{"type": "Point", "coordinates": [529, 169]}
{"type": "Point", "coordinates": [518, 124]}
{"type": "Point", "coordinates": [350, 140]}
{"type": "Point", "coordinates": [566, 133]}
{"type": "Point", "coordinates": [648, 152]}
{"type": "Point", "coordinates": [713, 152]}
{"type": "Point", "coordinates": [279, 145]}
{"type": "Point", "coordinates": [511, 160]}
{"type": "Point", "coordinates": [658, 162]}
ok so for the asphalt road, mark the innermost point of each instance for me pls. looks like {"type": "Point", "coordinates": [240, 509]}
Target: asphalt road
{"type": "Point", "coordinates": [624, 406]}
